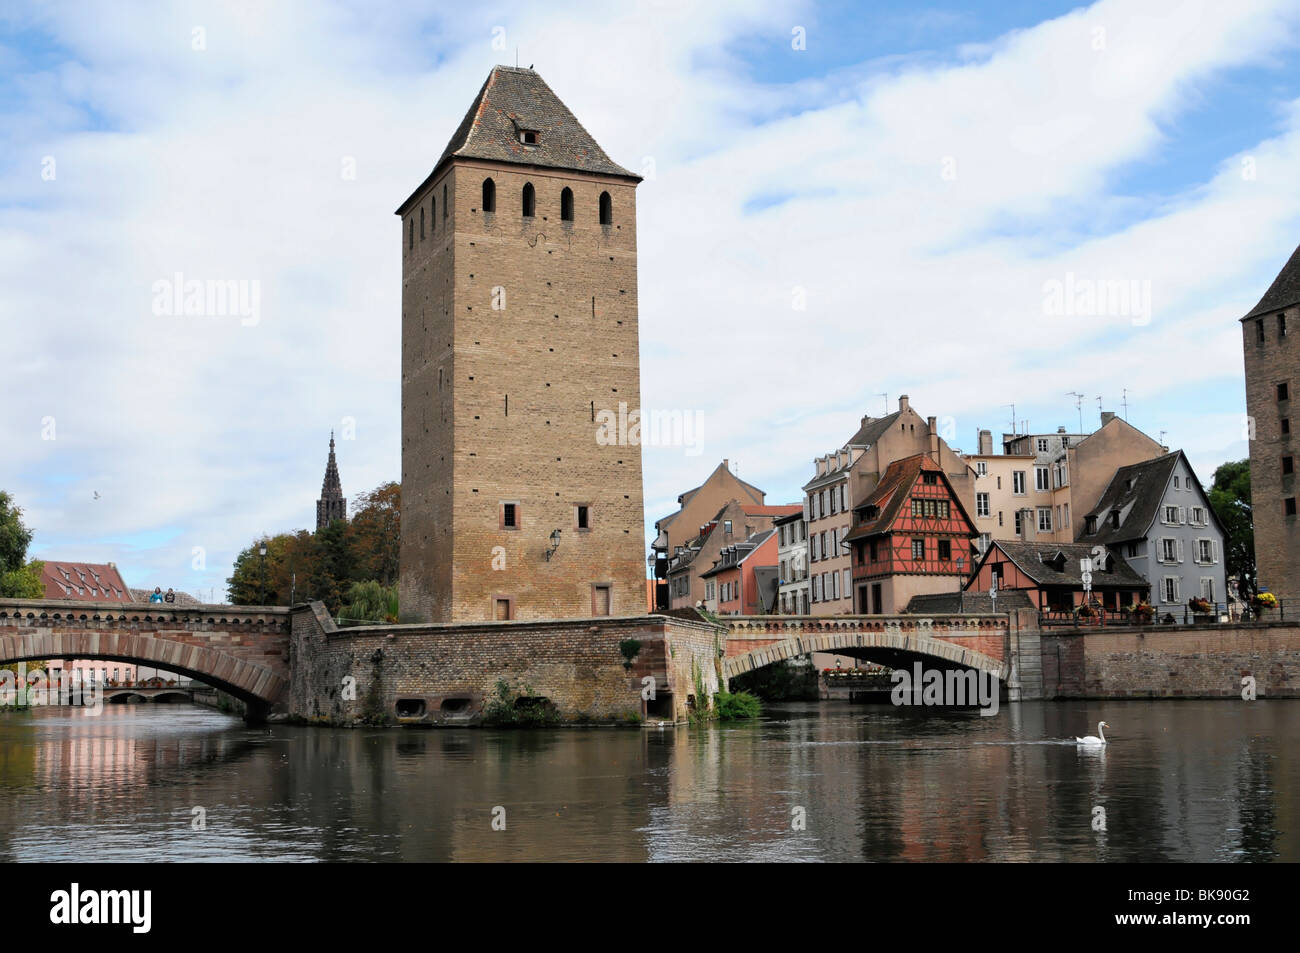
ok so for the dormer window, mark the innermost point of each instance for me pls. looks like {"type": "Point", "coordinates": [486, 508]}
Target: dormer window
{"type": "Point", "coordinates": [1089, 525]}
{"type": "Point", "coordinates": [528, 137]}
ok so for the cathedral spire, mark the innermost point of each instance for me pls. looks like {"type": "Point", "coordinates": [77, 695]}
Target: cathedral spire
{"type": "Point", "coordinates": [332, 505]}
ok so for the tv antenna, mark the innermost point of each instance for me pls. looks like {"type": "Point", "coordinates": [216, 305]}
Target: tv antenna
{"type": "Point", "coordinates": [1124, 402]}
{"type": "Point", "coordinates": [1013, 418]}
{"type": "Point", "coordinates": [886, 396]}
{"type": "Point", "coordinates": [1078, 405]}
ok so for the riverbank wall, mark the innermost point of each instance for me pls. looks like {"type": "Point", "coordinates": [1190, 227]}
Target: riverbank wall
{"type": "Point", "coordinates": [447, 674]}
{"type": "Point", "coordinates": [1172, 661]}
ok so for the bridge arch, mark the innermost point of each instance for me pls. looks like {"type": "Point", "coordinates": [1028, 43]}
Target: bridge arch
{"type": "Point", "coordinates": [42, 638]}
{"type": "Point", "coordinates": [885, 646]}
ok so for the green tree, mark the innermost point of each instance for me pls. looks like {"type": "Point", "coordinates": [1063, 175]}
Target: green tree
{"type": "Point", "coordinates": [1230, 496]}
{"type": "Point", "coordinates": [18, 579]}
{"type": "Point", "coordinates": [371, 602]}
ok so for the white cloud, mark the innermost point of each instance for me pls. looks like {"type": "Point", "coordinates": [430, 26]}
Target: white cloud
{"type": "Point", "coordinates": [224, 163]}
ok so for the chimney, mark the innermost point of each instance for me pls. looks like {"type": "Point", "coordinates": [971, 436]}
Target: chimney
{"type": "Point", "coordinates": [865, 418]}
{"type": "Point", "coordinates": [1106, 417]}
{"type": "Point", "coordinates": [931, 424]}
{"type": "Point", "coordinates": [726, 464]}
{"type": "Point", "coordinates": [902, 403]}
{"type": "Point", "coordinates": [986, 442]}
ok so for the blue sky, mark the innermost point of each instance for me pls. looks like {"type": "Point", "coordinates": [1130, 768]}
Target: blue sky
{"type": "Point", "coordinates": [878, 209]}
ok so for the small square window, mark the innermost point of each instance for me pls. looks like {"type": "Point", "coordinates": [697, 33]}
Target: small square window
{"type": "Point", "coordinates": [1288, 465]}
{"type": "Point", "coordinates": [582, 516]}
{"type": "Point", "coordinates": [1283, 391]}
{"type": "Point", "coordinates": [509, 515]}
{"type": "Point", "coordinates": [1290, 505]}
{"type": "Point", "coordinates": [1286, 424]}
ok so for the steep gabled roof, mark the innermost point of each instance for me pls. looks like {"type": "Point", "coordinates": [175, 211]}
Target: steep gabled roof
{"type": "Point", "coordinates": [1283, 292]}
{"type": "Point", "coordinates": [872, 429]}
{"type": "Point", "coordinates": [1136, 491]}
{"type": "Point", "coordinates": [894, 490]}
{"type": "Point", "coordinates": [511, 101]}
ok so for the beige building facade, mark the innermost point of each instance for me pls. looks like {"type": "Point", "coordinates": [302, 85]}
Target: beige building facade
{"type": "Point", "coordinates": [846, 476]}
{"type": "Point", "coordinates": [1043, 484]}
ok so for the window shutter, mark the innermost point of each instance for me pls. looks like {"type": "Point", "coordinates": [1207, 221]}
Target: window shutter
{"type": "Point", "coordinates": [1214, 551]}
{"type": "Point", "coordinates": [1180, 550]}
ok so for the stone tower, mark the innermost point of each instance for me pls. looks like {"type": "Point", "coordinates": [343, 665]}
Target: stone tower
{"type": "Point", "coordinates": [1269, 333]}
{"type": "Point", "coordinates": [519, 346]}
{"type": "Point", "coordinates": [331, 505]}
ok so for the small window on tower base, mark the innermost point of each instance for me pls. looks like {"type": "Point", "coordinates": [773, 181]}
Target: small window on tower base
{"type": "Point", "coordinates": [581, 516]}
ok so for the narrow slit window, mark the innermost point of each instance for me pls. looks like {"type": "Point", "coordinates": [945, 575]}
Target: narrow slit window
{"type": "Point", "coordinates": [566, 205]}
{"type": "Point", "coordinates": [582, 516]}
{"type": "Point", "coordinates": [606, 209]}
{"type": "Point", "coordinates": [530, 200]}
{"type": "Point", "coordinates": [489, 195]}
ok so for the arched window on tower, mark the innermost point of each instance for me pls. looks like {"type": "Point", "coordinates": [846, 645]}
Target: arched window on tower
{"type": "Point", "coordinates": [410, 232]}
{"type": "Point", "coordinates": [606, 209]}
{"type": "Point", "coordinates": [433, 214]}
{"type": "Point", "coordinates": [444, 203]}
{"type": "Point", "coordinates": [489, 195]}
{"type": "Point", "coordinates": [530, 200]}
{"type": "Point", "coordinates": [566, 205]}
{"type": "Point", "coordinates": [421, 223]}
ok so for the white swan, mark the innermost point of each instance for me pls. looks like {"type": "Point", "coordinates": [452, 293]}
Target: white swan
{"type": "Point", "coordinates": [1092, 739]}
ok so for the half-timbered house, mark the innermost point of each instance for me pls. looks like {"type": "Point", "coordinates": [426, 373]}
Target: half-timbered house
{"type": "Point", "coordinates": [910, 536]}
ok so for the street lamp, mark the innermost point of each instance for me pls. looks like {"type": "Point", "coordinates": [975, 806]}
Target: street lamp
{"type": "Point", "coordinates": [555, 544]}
{"type": "Point", "coordinates": [261, 551]}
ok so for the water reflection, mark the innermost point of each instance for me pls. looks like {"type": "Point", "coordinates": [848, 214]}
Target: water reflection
{"type": "Point", "coordinates": [1179, 781]}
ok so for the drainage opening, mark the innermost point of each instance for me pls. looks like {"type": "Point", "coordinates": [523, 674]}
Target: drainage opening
{"type": "Point", "coordinates": [410, 707]}
{"type": "Point", "coordinates": [661, 706]}
{"type": "Point", "coordinates": [454, 705]}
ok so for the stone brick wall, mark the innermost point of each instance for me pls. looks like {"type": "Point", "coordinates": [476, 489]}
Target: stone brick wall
{"type": "Point", "coordinates": [1157, 661]}
{"type": "Point", "coordinates": [451, 670]}
{"type": "Point", "coordinates": [1277, 536]}
{"type": "Point", "coordinates": [503, 404]}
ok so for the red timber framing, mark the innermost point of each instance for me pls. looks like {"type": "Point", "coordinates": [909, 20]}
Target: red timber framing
{"type": "Point", "coordinates": [912, 523]}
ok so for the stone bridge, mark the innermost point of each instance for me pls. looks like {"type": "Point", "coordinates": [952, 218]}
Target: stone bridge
{"type": "Point", "coordinates": [979, 642]}
{"type": "Point", "coordinates": [242, 650]}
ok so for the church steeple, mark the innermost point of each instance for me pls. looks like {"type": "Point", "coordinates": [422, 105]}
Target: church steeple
{"type": "Point", "coordinates": [332, 505]}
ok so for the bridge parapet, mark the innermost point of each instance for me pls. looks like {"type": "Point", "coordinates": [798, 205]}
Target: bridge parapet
{"type": "Point", "coordinates": [68, 613]}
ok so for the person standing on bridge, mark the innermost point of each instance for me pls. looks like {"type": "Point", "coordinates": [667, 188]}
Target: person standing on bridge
{"type": "Point", "coordinates": [156, 595]}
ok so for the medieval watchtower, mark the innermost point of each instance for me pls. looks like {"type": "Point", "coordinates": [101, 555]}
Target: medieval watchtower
{"type": "Point", "coordinates": [519, 336]}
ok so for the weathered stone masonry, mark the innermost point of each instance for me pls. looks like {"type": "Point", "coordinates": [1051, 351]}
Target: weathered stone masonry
{"type": "Point", "coordinates": [1156, 661]}
{"type": "Point", "coordinates": [445, 673]}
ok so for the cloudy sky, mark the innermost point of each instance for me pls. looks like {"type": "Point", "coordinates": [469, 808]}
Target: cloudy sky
{"type": "Point", "coordinates": [841, 202]}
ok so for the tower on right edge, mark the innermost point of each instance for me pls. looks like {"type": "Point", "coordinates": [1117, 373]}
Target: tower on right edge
{"type": "Point", "coordinates": [1272, 371]}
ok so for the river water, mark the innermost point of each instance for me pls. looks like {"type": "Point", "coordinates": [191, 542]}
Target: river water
{"type": "Point", "coordinates": [1180, 780]}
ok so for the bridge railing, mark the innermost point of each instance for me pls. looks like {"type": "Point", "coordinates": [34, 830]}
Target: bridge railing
{"type": "Point", "coordinates": [69, 612]}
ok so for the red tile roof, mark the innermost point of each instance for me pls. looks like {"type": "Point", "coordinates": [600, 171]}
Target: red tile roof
{"type": "Point", "coordinates": [88, 582]}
